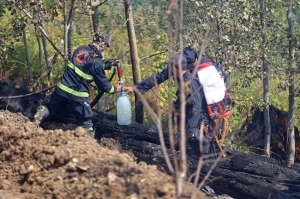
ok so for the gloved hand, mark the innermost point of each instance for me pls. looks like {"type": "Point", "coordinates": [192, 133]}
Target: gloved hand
{"type": "Point", "coordinates": [118, 87]}
{"type": "Point", "coordinates": [190, 135]}
{"type": "Point", "coordinates": [108, 63]}
{"type": "Point", "coordinates": [229, 100]}
{"type": "Point", "coordinates": [115, 62]}
{"type": "Point", "coordinates": [232, 102]}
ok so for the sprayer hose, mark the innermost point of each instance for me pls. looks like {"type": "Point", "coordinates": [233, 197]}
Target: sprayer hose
{"type": "Point", "coordinates": [226, 130]}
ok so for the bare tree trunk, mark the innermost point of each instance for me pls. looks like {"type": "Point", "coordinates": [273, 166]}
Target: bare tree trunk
{"type": "Point", "coordinates": [27, 54]}
{"type": "Point", "coordinates": [65, 33]}
{"type": "Point", "coordinates": [220, 54]}
{"type": "Point", "coordinates": [220, 57]}
{"type": "Point", "coordinates": [291, 132]}
{"type": "Point", "coordinates": [96, 28]}
{"type": "Point", "coordinates": [175, 11]}
{"type": "Point", "coordinates": [47, 56]}
{"type": "Point", "coordinates": [70, 29]}
{"type": "Point", "coordinates": [135, 61]}
{"type": "Point", "coordinates": [95, 18]}
{"type": "Point", "coordinates": [265, 83]}
{"type": "Point", "coordinates": [182, 172]}
{"type": "Point", "coordinates": [40, 53]}
{"type": "Point", "coordinates": [51, 65]}
{"type": "Point", "coordinates": [45, 45]}
{"type": "Point", "coordinates": [69, 42]}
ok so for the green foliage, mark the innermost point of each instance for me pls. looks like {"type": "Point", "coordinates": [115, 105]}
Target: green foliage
{"type": "Point", "coordinates": [2, 10]}
{"type": "Point", "coordinates": [235, 43]}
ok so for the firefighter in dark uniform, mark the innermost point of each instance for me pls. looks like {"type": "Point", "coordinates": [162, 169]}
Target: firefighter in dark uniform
{"type": "Point", "coordinates": [73, 89]}
{"type": "Point", "coordinates": [195, 113]}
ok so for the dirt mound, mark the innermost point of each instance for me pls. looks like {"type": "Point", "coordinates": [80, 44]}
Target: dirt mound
{"type": "Point", "coordinates": [68, 164]}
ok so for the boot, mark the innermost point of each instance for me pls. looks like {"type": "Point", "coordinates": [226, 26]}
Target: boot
{"type": "Point", "coordinates": [90, 131]}
{"type": "Point", "coordinates": [41, 114]}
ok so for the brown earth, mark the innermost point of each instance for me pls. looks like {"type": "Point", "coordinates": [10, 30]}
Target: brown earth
{"type": "Point", "coordinates": [68, 164]}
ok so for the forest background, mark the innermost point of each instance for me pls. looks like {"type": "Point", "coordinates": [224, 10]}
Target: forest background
{"type": "Point", "coordinates": [240, 38]}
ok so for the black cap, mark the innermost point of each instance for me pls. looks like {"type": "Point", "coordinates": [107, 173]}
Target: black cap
{"type": "Point", "coordinates": [101, 37]}
{"type": "Point", "coordinates": [190, 54]}
{"type": "Point", "coordinates": [175, 60]}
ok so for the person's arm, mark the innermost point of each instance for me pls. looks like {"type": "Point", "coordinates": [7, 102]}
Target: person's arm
{"type": "Point", "coordinates": [152, 81]}
{"type": "Point", "coordinates": [101, 80]}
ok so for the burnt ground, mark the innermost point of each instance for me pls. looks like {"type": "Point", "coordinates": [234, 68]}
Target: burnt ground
{"type": "Point", "coordinates": [125, 161]}
{"type": "Point", "coordinates": [35, 163]}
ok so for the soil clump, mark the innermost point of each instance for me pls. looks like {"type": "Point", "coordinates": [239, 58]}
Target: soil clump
{"type": "Point", "coordinates": [35, 163]}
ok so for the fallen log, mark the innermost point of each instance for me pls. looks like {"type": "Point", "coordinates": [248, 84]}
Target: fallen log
{"type": "Point", "coordinates": [239, 175]}
{"type": "Point", "coordinates": [25, 102]}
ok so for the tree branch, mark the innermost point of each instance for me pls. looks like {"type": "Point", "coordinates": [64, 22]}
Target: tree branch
{"type": "Point", "coordinates": [26, 95]}
{"type": "Point", "coordinates": [152, 55]}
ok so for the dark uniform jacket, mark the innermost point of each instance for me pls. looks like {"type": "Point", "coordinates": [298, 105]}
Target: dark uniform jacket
{"type": "Point", "coordinates": [86, 66]}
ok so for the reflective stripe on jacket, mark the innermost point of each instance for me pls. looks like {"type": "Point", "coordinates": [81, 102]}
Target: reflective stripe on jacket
{"type": "Point", "coordinates": [79, 72]}
{"type": "Point", "coordinates": [71, 91]}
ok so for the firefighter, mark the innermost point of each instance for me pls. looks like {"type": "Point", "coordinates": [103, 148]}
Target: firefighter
{"type": "Point", "coordinates": [72, 89]}
{"type": "Point", "coordinates": [194, 98]}
{"type": "Point", "coordinates": [195, 113]}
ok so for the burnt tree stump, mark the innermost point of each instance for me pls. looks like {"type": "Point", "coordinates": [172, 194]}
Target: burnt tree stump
{"type": "Point", "coordinates": [253, 134]}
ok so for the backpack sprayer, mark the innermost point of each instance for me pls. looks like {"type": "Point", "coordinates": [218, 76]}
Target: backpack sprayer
{"type": "Point", "coordinates": [217, 99]}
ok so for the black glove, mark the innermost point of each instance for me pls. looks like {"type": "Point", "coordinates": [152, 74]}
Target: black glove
{"type": "Point", "coordinates": [232, 102]}
{"type": "Point", "coordinates": [229, 101]}
{"type": "Point", "coordinates": [107, 65]}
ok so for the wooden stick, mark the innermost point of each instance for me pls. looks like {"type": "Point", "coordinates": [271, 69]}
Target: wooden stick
{"type": "Point", "coordinates": [219, 146]}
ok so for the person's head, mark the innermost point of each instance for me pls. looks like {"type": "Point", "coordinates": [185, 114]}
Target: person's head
{"type": "Point", "coordinates": [101, 41]}
{"type": "Point", "coordinates": [191, 56]}
{"type": "Point", "coordinates": [176, 61]}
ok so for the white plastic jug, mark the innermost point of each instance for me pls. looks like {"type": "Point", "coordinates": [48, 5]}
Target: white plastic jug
{"type": "Point", "coordinates": [123, 110]}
